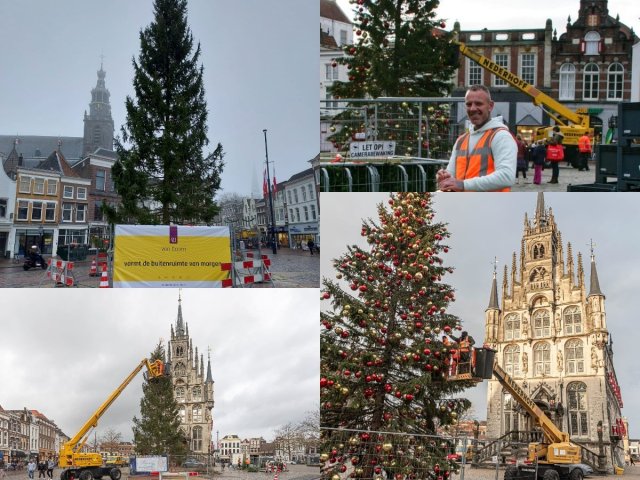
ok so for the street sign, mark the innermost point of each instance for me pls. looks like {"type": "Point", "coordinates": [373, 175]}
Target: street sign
{"type": "Point", "coordinates": [372, 149]}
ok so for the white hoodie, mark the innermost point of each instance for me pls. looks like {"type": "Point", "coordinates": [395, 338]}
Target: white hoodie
{"type": "Point", "coordinates": [505, 152]}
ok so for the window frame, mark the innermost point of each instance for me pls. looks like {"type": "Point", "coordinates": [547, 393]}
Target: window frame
{"type": "Point", "coordinates": [567, 82]}
{"type": "Point", "coordinates": [618, 81]}
{"type": "Point", "coordinates": [67, 188]}
{"type": "Point", "coordinates": [21, 182]}
{"type": "Point", "coordinates": [33, 210]}
{"type": "Point", "coordinates": [38, 186]}
{"type": "Point", "coordinates": [67, 210]}
{"type": "Point", "coordinates": [524, 74]}
{"type": "Point", "coordinates": [22, 205]}
{"type": "Point", "coordinates": [591, 77]}
{"type": "Point", "coordinates": [499, 81]}
{"type": "Point", "coordinates": [83, 195]}
{"type": "Point", "coordinates": [541, 359]}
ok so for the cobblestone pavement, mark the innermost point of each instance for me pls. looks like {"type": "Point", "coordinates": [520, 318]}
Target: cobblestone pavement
{"type": "Point", "coordinates": [289, 269]}
{"type": "Point", "coordinates": [568, 176]}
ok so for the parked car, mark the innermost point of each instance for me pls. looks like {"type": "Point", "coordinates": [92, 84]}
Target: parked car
{"type": "Point", "coordinates": [193, 463]}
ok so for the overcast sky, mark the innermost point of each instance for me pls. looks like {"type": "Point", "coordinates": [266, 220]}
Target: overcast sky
{"type": "Point", "coordinates": [484, 226]}
{"type": "Point", "coordinates": [506, 14]}
{"type": "Point", "coordinates": [260, 61]}
{"type": "Point", "coordinates": [63, 352]}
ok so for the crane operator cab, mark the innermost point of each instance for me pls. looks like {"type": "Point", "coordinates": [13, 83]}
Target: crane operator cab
{"type": "Point", "coordinates": [475, 364]}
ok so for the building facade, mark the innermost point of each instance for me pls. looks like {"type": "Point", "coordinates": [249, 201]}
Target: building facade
{"type": "Point", "coordinates": [336, 31]}
{"type": "Point", "coordinates": [302, 206]}
{"type": "Point", "coordinates": [230, 449]}
{"type": "Point", "coordinates": [550, 334]}
{"type": "Point", "coordinates": [57, 197]}
{"type": "Point", "coordinates": [193, 389]}
{"type": "Point", "coordinates": [588, 68]}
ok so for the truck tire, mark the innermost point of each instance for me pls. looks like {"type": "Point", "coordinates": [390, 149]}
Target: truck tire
{"type": "Point", "coordinates": [511, 473]}
{"type": "Point", "coordinates": [551, 475]}
{"type": "Point", "coordinates": [86, 475]}
{"type": "Point", "coordinates": [576, 474]}
{"type": "Point", "coordinates": [115, 474]}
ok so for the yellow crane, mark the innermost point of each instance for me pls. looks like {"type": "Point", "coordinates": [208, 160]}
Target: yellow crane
{"type": "Point", "coordinates": [88, 465]}
{"type": "Point", "coordinates": [556, 456]}
{"type": "Point", "coordinates": [572, 124]}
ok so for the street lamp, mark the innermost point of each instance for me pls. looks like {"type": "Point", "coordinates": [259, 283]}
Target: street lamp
{"type": "Point", "coordinates": [273, 222]}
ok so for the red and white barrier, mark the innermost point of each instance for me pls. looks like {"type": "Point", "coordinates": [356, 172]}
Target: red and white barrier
{"type": "Point", "coordinates": [104, 279]}
{"type": "Point", "coordinates": [247, 272]}
{"type": "Point", "coordinates": [61, 272]}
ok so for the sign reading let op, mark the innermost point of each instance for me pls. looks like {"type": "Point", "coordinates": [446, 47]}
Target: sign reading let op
{"type": "Point", "coordinates": [170, 256]}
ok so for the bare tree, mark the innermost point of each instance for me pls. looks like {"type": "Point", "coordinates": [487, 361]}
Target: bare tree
{"type": "Point", "coordinates": [110, 440]}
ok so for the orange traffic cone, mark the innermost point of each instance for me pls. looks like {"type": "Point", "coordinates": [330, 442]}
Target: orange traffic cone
{"type": "Point", "coordinates": [94, 269]}
{"type": "Point", "coordinates": [104, 280]}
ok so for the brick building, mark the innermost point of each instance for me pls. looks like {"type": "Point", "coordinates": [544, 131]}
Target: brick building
{"type": "Point", "coordinates": [550, 333]}
{"type": "Point", "coordinates": [588, 67]}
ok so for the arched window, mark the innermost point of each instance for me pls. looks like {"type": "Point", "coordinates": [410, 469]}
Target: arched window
{"type": "Point", "coordinates": [567, 82]}
{"type": "Point", "coordinates": [614, 81]}
{"type": "Point", "coordinates": [572, 321]}
{"type": "Point", "coordinates": [180, 369]}
{"type": "Point", "coordinates": [180, 393]}
{"type": "Point", "coordinates": [538, 278]}
{"type": "Point", "coordinates": [512, 360]}
{"type": "Point", "coordinates": [179, 351]}
{"type": "Point", "coordinates": [512, 327]}
{"type": "Point", "coordinates": [592, 43]}
{"type": "Point", "coordinates": [541, 324]}
{"type": "Point", "coordinates": [510, 414]}
{"type": "Point", "coordinates": [574, 356]}
{"type": "Point", "coordinates": [591, 78]}
{"type": "Point", "coordinates": [196, 393]}
{"type": "Point", "coordinates": [538, 251]}
{"type": "Point", "coordinates": [541, 359]}
{"type": "Point", "coordinates": [577, 396]}
{"type": "Point", "coordinates": [196, 444]}
{"type": "Point", "coordinates": [181, 414]}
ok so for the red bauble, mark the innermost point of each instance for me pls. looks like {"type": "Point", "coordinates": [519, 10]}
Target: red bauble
{"type": "Point", "coordinates": [408, 397]}
{"type": "Point", "coordinates": [323, 382]}
{"type": "Point", "coordinates": [326, 295]}
{"type": "Point", "coordinates": [363, 288]}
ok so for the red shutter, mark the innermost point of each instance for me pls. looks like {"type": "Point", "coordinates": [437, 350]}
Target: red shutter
{"type": "Point", "coordinates": [601, 45]}
{"type": "Point", "coordinates": [583, 46]}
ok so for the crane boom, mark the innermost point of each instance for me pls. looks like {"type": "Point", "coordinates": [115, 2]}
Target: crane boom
{"type": "Point", "coordinates": [89, 464]}
{"type": "Point", "coordinates": [551, 432]}
{"type": "Point", "coordinates": [155, 370]}
{"type": "Point", "coordinates": [552, 107]}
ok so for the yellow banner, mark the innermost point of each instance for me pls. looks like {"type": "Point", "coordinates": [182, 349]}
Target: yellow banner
{"type": "Point", "coordinates": [152, 260]}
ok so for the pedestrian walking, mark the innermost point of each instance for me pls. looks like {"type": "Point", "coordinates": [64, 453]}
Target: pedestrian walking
{"type": "Point", "coordinates": [42, 469]}
{"type": "Point", "coordinates": [31, 468]}
{"type": "Point", "coordinates": [310, 244]}
{"type": "Point", "coordinates": [50, 466]}
{"type": "Point", "coordinates": [555, 154]}
{"type": "Point", "coordinates": [584, 152]}
{"type": "Point", "coordinates": [539, 155]}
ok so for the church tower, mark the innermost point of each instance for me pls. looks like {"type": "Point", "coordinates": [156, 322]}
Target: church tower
{"type": "Point", "coordinates": [98, 124]}
{"type": "Point", "coordinates": [551, 336]}
{"type": "Point", "coordinates": [192, 387]}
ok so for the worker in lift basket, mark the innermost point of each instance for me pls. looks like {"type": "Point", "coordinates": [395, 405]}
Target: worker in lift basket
{"type": "Point", "coordinates": [465, 343]}
{"type": "Point", "coordinates": [483, 159]}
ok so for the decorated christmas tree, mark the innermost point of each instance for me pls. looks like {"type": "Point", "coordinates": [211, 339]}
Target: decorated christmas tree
{"type": "Point", "coordinates": [400, 50]}
{"type": "Point", "coordinates": [385, 360]}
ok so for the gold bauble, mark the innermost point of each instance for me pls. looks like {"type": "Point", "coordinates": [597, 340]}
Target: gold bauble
{"type": "Point", "coordinates": [387, 447]}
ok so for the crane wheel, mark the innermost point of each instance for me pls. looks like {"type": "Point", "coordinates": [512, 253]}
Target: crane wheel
{"type": "Point", "coordinates": [576, 474]}
{"type": "Point", "coordinates": [86, 475]}
{"type": "Point", "coordinates": [511, 472]}
{"type": "Point", "coordinates": [551, 475]}
{"type": "Point", "coordinates": [115, 474]}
